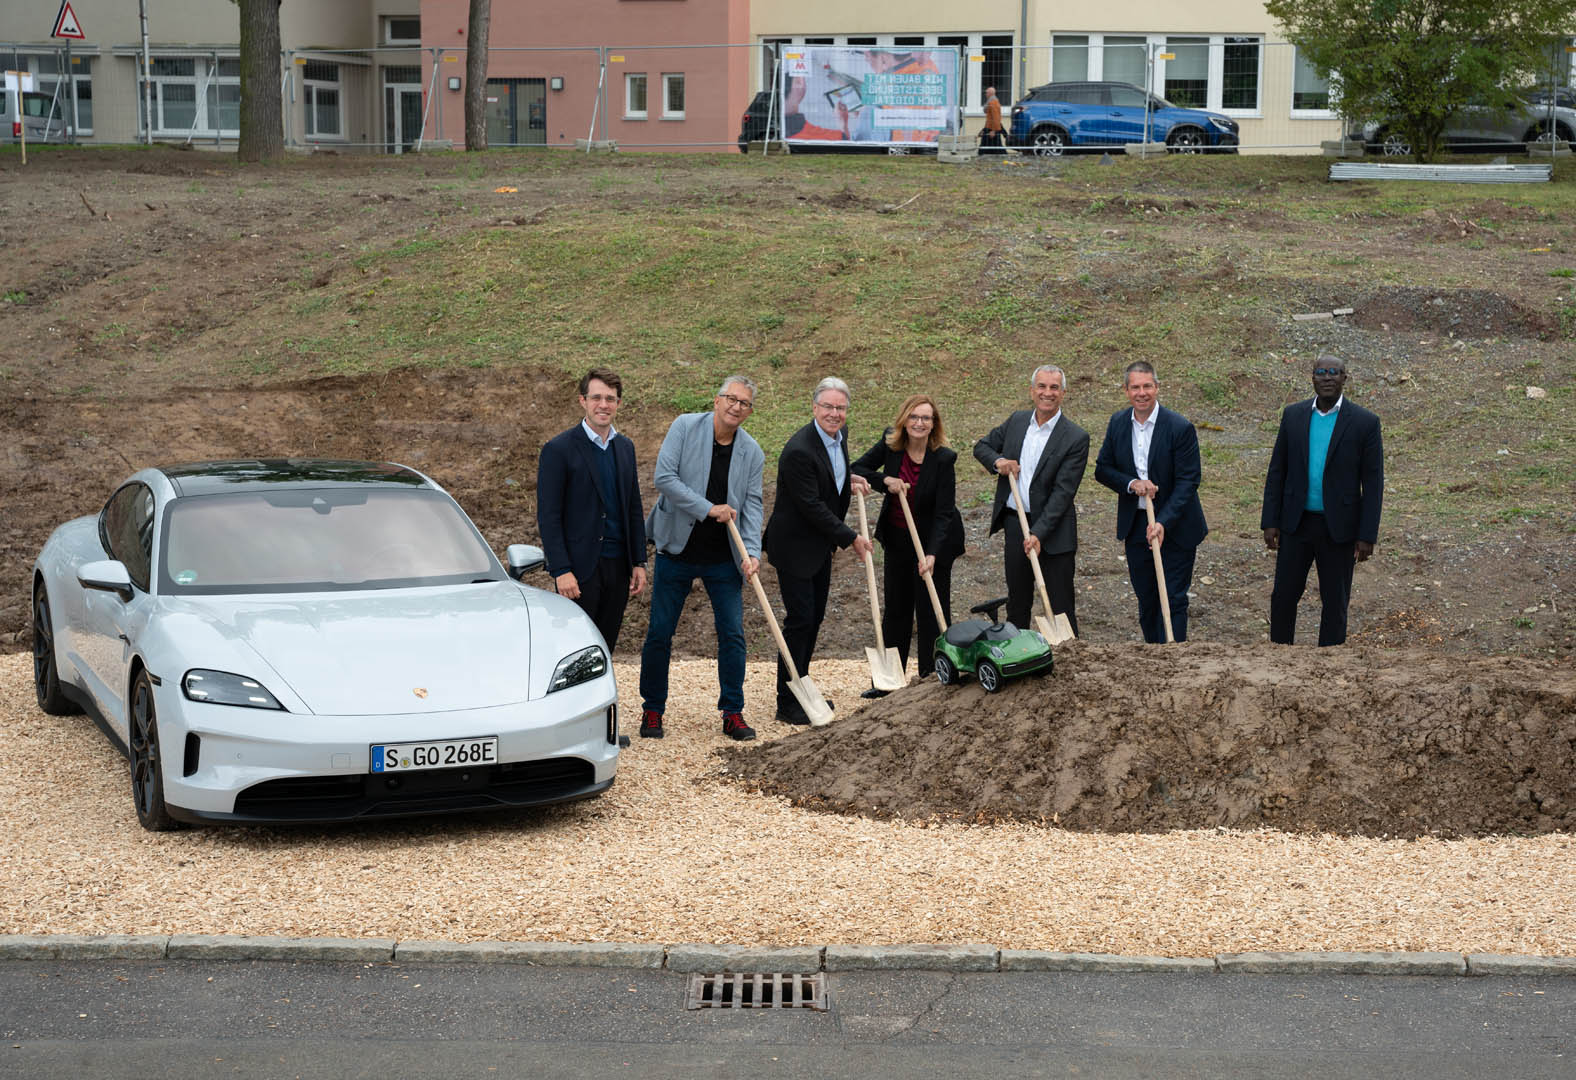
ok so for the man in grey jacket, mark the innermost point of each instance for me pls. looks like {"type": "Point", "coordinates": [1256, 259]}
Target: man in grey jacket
{"type": "Point", "coordinates": [708, 473]}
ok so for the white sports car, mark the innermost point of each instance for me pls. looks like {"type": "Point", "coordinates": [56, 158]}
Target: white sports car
{"type": "Point", "coordinates": [304, 641]}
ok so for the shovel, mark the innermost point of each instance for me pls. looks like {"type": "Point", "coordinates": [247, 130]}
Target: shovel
{"type": "Point", "coordinates": [1052, 627]}
{"type": "Point", "coordinates": [1160, 574]}
{"type": "Point", "coordinates": [886, 667]}
{"type": "Point", "coordinates": [919, 552]}
{"type": "Point", "coordinates": [803, 690]}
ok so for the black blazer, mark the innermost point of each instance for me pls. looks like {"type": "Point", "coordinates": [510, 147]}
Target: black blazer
{"type": "Point", "coordinates": [934, 501]}
{"type": "Point", "coordinates": [1353, 474]}
{"type": "Point", "coordinates": [807, 515]}
{"type": "Point", "coordinates": [569, 508]}
{"type": "Point", "coordinates": [1052, 487]}
{"type": "Point", "coordinates": [1173, 468]}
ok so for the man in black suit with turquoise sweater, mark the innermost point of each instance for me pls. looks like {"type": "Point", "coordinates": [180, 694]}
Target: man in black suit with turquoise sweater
{"type": "Point", "coordinates": [1321, 501]}
{"type": "Point", "coordinates": [1151, 452]}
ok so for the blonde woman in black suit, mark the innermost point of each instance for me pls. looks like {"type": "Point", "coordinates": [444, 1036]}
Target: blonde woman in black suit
{"type": "Point", "coordinates": [914, 451]}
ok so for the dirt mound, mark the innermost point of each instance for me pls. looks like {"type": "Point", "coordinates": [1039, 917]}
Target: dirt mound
{"type": "Point", "coordinates": [1123, 738]}
{"type": "Point", "coordinates": [1462, 313]}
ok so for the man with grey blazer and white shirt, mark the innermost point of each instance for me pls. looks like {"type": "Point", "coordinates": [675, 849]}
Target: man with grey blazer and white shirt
{"type": "Point", "coordinates": [709, 472]}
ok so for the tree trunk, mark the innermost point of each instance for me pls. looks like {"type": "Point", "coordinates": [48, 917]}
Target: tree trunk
{"type": "Point", "coordinates": [476, 75]}
{"type": "Point", "coordinates": [262, 119]}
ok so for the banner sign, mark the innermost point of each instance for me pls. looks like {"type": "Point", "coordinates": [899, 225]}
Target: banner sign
{"type": "Point", "coordinates": [869, 96]}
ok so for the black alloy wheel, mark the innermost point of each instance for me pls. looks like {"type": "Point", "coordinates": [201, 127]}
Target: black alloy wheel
{"type": "Point", "coordinates": [46, 678]}
{"type": "Point", "coordinates": [147, 764]}
{"type": "Point", "coordinates": [1048, 142]}
{"type": "Point", "coordinates": [1188, 140]}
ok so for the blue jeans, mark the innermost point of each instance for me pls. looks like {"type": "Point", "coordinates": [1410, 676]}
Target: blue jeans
{"type": "Point", "coordinates": [671, 581]}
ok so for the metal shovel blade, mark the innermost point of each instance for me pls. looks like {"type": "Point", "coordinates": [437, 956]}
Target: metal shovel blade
{"type": "Point", "coordinates": [811, 701]}
{"type": "Point", "coordinates": [1055, 630]}
{"type": "Point", "coordinates": [886, 669]}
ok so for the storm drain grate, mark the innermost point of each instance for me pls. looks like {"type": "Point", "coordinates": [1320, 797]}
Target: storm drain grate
{"type": "Point", "coordinates": [756, 990]}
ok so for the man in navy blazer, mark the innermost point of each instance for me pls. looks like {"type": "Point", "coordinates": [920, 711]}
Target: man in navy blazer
{"type": "Point", "coordinates": [1321, 501]}
{"type": "Point", "coordinates": [588, 509]}
{"type": "Point", "coordinates": [1151, 452]}
{"type": "Point", "coordinates": [814, 487]}
{"type": "Point", "coordinates": [1043, 445]}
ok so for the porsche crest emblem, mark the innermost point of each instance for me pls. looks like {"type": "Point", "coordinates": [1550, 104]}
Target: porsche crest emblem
{"type": "Point", "coordinates": [419, 691]}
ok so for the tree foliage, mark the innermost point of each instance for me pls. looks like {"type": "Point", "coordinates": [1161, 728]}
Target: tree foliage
{"type": "Point", "coordinates": [262, 115]}
{"type": "Point", "coordinates": [480, 24]}
{"type": "Point", "coordinates": [1412, 63]}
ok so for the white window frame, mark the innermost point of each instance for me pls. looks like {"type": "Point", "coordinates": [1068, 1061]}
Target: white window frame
{"type": "Point", "coordinates": [387, 29]}
{"type": "Point", "coordinates": [630, 112]}
{"type": "Point", "coordinates": [973, 88]}
{"type": "Point", "coordinates": [1216, 44]}
{"type": "Point", "coordinates": [670, 78]}
{"type": "Point", "coordinates": [310, 88]}
{"type": "Point", "coordinates": [32, 61]}
{"type": "Point", "coordinates": [1330, 113]}
{"type": "Point", "coordinates": [201, 83]}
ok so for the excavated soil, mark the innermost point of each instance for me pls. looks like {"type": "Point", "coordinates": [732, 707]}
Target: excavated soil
{"type": "Point", "coordinates": [1118, 739]}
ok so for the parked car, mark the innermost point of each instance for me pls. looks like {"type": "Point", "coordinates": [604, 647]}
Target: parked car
{"type": "Point", "coordinates": [1483, 128]}
{"type": "Point", "coordinates": [305, 641]}
{"type": "Point", "coordinates": [753, 128]}
{"type": "Point", "coordinates": [1052, 119]}
{"type": "Point", "coordinates": [38, 112]}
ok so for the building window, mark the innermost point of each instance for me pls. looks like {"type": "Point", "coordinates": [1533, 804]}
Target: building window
{"type": "Point", "coordinates": [1309, 93]}
{"type": "Point", "coordinates": [635, 97]}
{"type": "Point", "coordinates": [194, 96]}
{"type": "Point", "coordinates": [1206, 71]}
{"type": "Point", "coordinates": [320, 94]}
{"type": "Point", "coordinates": [401, 30]}
{"type": "Point", "coordinates": [673, 96]}
{"type": "Point", "coordinates": [997, 69]}
{"type": "Point", "coordinates": [46, 69]}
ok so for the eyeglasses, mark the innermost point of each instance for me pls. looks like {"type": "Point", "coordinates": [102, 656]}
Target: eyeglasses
{"type": "Point", "coordinates": [915, 418]}
{"type": "Point", "coordinates": [1329, 371]}
{"type": "Point", "coordinates": [831, 408]}
{"type": "Point", "coordinates": [742, 403]}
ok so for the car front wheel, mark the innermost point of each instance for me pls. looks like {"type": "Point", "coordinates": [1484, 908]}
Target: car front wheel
{"type": "Point", "coordinates": [147, 765]}
{"type": "Point", "coordinates": [46, 677]}
{"type": "Point", "coordinates": [1186, 141]}
{"type": "Point", "coordinates": [1394, 144]}
{"type": "Point", "coordinates": [1048, 142]}
{"type": "Point", "coordinates": [946, 674]}
{"type": "Point", "coordinates": [1541, 137]}
{"type": "Point", "coordinates": [989, 676]}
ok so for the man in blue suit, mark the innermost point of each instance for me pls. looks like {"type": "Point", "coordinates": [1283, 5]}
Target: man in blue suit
{"type": "Point", "coordinates": [1321, 501]}
{"type": "Point", "coordinates": [1151, 453]}
{"type": "Point", "coordinates": [588, 509]}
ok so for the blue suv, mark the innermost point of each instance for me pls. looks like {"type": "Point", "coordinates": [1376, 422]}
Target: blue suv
{"type": "Point", "coordinates": [1058, 117]}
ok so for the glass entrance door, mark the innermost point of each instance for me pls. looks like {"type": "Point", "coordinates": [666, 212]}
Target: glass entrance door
{"type": "Point", "coordinates": [401, 116]}
{"type": "Point", "coordinates": [516, 112]}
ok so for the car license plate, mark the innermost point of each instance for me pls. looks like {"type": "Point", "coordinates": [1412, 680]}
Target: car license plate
{"type": "Point", "coordinates": [448, 754]}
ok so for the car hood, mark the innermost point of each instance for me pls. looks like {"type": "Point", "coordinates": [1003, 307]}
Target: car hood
{"type": "Point", "coordinates": [394, 651]}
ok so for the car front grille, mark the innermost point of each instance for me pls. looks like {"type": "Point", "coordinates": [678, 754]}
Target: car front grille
{"type": "Point", "coordinates": [335, 798]}
{"type": "Point", "coordinates": [1024, 667]}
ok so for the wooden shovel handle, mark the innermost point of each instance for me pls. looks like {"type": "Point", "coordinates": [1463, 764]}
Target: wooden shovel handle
{"type": "Point", "coordinates": [870, 573]}
{"type": "Point", "coordinates": [1160, 572]}
{"type": "Point", "coordinates": [766, 605]}
{"type": "Point", "coordinates": [919, 552]}
{"type": "Point", "coordinates": [1034, 562]}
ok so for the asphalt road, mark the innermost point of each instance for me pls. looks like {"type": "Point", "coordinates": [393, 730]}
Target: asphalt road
{"type": "Point", "coordinates": [179, 1019]}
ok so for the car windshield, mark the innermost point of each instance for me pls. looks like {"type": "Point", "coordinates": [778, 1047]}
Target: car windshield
{"type": "Point", "coordinates": [319, 539]}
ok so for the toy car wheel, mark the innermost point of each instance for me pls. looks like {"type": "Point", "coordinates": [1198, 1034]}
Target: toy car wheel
{"type": "Point", "coordinates": [989, 676]}
{"type": "Point", "coordinates": [946, 673]}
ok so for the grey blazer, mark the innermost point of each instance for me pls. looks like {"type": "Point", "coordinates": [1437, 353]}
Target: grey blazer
{"type": "Point", "coordinates": [683, 469]}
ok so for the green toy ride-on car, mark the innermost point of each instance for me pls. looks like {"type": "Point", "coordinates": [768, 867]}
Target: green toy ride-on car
{"type": "Point", "coordinates": [994, 651]}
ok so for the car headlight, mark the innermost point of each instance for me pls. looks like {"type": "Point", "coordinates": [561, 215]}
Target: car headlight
{"type": "Point", "coordinates": [223, 688]}
{"type": "Point", "coordinates": [1222, 124]}
{"type": "Point", "coordinates": [996, 651]}
{"type": "Point", "coordinates": [583, 666]}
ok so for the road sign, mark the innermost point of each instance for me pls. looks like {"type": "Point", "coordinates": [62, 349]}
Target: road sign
{"type": "Point", "coordinates": [66, 25]}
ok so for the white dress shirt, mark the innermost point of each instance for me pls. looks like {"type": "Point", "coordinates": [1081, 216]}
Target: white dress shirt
{"type": "Point", "coordinates": [1034, 440]}
{"type": "Point", "coordinates": [1143, 435]}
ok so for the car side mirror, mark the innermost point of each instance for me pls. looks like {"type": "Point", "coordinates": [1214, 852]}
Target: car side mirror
{"type": "Point", "coordinates": [107, 575]}
{"type": "Point", "coordinates": [523, 558]}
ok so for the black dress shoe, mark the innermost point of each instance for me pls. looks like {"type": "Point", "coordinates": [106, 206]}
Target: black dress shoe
{"type": "Point", "coordinates": [874, 693]}
{"type": "Point", "coordinates": [798, 719]}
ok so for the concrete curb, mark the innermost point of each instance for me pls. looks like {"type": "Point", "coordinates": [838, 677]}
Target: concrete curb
{"type": "Point", "coordinates": [803, 959]}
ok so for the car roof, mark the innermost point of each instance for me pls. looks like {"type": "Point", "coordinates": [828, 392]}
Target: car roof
{"type": "Point", "coordinates": [212, 477]}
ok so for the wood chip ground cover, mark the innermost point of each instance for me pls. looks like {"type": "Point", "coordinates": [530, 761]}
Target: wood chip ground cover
{"type": "Point", "coordinates": [677, 852]}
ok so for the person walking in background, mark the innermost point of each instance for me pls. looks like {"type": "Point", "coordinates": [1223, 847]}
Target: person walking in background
{"type": "Point", "coordinates": [1048, 453]}
{"type": "Point", "coordinates": [708, 473]}
{"type": "Point", "coordinates": [914, 452]}
{"type": "Point", "coordinates": [1321, 501]}
{"type": "Point", "coordinates": [993, 138]}
{"type": "Point", "coordinates": [588, 509]}
{"type": "Point", "coordinates": [1151, 453]}
{"type": "Point", "coordinates": [814, 487]}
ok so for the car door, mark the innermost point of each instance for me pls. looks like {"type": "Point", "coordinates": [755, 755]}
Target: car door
{"type": "Point", "coordinates": [109, 621]}
{"type": "Point", "coordinates": [1075, 107]}
{"type": "Point", "coordinates": [1127, 114]}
